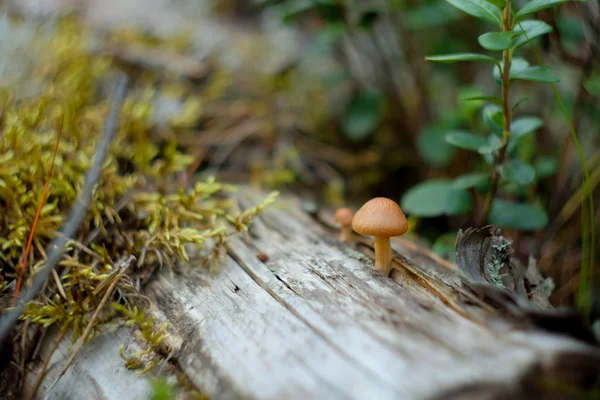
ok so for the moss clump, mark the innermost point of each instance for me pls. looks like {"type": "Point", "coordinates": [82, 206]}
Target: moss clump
{"type": "Point", "coordinates": [136, 209]}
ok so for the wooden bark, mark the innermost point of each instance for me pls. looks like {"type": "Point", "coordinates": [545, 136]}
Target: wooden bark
{"type": "Point", "coordinates": [293, 314]}
{"type": "Point", "coordinates": [98, 372]}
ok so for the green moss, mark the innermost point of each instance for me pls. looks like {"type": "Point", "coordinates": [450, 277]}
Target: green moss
{"type": "Point", "coordinates": [136, 208]}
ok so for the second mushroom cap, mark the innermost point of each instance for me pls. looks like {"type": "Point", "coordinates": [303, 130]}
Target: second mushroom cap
{"type": "Point", "coordinates": [344, 216]}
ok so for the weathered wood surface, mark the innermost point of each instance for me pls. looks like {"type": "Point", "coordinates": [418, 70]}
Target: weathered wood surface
{"type": "Point", "coordinates": [98, 372]}
{"type": "Point", "coordinates": [316, 320]}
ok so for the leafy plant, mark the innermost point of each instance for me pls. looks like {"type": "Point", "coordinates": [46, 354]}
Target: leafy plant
{"type": "Point", "coordinates": [507, 173]}
{"type": "Point", "coordinates": [512, 167]}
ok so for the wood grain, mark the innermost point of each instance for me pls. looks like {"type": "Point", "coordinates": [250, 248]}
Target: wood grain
{"type": "Point", "coordinates": [316, 320]}
{"type": "Point", "coordinates": [293, 314]}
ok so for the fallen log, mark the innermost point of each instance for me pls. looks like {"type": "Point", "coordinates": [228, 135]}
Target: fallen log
{"type": "Point", "coordinates": [294, 314]}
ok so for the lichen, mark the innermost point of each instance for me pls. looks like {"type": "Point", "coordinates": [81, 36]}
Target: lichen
{"type": "Point", "coordinates": [500, 248]}
{"type": "Point", "coordinates": [357, 255]}
{"type": "Point", "coordinates": [548, 285]}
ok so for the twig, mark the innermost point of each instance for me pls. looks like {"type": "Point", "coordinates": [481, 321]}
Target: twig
{"type": "Point", "coordinates": [39, 344]}
{"type": "Point", "coordinates": [90, 325]}
{"type": "Point", "coordinates": [77, 214]}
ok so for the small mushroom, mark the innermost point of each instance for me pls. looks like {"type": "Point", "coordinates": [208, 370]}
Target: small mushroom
{"type": "Point", "coordinates": [344, 216]}
{"type": "Point", "coordinates": [381, 218]}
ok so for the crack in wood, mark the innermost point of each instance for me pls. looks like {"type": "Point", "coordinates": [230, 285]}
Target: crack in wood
{"type": "Point", "coordinates": [292, 310]}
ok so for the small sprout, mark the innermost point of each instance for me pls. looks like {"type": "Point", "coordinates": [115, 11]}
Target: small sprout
{"type": "Point", "coordinates": [343, 216]}
{"type": "Point", "coordinates": [381, 218]}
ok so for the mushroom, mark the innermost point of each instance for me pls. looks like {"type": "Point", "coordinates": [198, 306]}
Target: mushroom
{"type": "Point", "coordinates": [382, 218]}
{"type": "Point", "coordinates": [344, 216]}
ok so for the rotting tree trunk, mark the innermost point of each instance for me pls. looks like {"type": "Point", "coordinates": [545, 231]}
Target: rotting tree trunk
{"type": "Point", "coordinates": [312, 318]}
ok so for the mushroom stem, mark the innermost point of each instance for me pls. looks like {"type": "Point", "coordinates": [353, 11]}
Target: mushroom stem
{"type": "Point", "coordinates": [345, 233]}
{"type": "Point", "coordinates": [383, 254]}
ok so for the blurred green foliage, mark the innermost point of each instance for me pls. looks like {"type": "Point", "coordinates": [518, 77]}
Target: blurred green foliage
{"type": "Point", "coordinates": [508, 172]}
{"type": "Point", "coordinates": [455, 119]}
{"type": "Point", "coordinates": [436, 197]}
{"type": "Point", "coordinates": [163, 390]}
{"type": "Point", "coordinates": [363, 114]}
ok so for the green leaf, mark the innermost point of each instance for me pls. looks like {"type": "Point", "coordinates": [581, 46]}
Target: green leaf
{"type": "Point", "coordinates": [469, 101]}
{"type": "Point", "coordinates": [433, 147]}
{"type": "Point", "coordinates": [520, 128]}
{"type": "Point", "coordinates": [498, 3]}
{"type": "Point", "coordinates": [480, 9]}
{"type": "Point", "coordinates": [434, 198]}
{"type": "Point", "coordinates": [492, 116]}
{"type": "Point", "coordinates": [363, 114]}
{"type": "Point", "coordinates": [497, 41]}
{"type": "Point", "coordinates": [524, 125]}
{"type": "Point", "coordinates": [536, 74]}
{"type": "Point", "coordinates": [531, 29]}
{"type": "Point", "coordinates": [471, 180]}
{"type": "Point", "coordinates": [452, 58]}
{"type": "Point", "coordinates": [537, 5]}
{"type": "Point", "coordinates": [517, 65]}
{"type": "Point", "coordinates": [592, 85]}
{"type": "Point", "coordinates": [494, 143]}
{"type": "Point", "coordinates": [545, 166]}
{"type": "Point", "coordinates": [519, 172]}
{"type": "Point", "coordinates": [466, 140]}
{"type": "Point", "coordinates": [522, 216]}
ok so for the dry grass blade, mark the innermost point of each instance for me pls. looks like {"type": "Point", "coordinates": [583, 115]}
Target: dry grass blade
{"type": "Point", "coordinates": [38, 213]}
{"type": "Point", "coordinates": [107, 295]}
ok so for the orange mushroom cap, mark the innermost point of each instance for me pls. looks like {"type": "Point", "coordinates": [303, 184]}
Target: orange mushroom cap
{"type": "Point", "coordinates": [344, 216]}
{"type": "Point", "coordinates": [380, 217]}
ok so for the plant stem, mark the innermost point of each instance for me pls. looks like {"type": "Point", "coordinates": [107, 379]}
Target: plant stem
{"type": "Point", "coordinates": [506, 114]}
